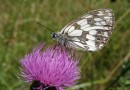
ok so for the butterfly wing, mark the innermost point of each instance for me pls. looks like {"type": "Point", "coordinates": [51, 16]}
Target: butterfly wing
{"type": "Point", "coordinates": [91, 31]}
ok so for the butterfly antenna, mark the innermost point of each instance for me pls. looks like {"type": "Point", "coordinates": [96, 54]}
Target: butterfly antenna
{"type": "Point", "coordinates": [45, 27]}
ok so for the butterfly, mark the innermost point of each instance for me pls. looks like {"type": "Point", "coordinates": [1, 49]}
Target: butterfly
{"type": "Point", "coordinates": [89, 32]}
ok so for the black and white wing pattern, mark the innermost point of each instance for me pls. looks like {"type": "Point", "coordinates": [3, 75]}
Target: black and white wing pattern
{"type": "Point", "coordinates": [91, 31]}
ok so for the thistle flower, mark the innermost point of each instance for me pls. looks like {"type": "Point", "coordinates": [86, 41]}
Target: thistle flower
{"type": "Point", "coordinates": [51, 69]}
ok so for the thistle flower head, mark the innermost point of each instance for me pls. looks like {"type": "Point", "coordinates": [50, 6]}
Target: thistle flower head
{"type": "Point", "coordinates": [50, 69]}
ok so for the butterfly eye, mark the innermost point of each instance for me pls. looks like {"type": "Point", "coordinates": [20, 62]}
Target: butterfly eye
{"type": "Point", "coordinates": [53, 35]}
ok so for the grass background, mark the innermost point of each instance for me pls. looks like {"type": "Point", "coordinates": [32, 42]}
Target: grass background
{"type": "Point", "coordinates": [19, 33]}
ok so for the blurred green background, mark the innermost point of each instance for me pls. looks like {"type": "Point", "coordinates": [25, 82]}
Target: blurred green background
{"type": "Point", "coordinates": [19, 33]}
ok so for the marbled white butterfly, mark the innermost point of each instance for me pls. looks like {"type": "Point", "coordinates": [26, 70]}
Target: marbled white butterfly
{"type": "Point", "coordinates": [89, 32]}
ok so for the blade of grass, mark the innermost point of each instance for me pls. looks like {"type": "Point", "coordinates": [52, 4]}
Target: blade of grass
{"type": "Point", "coordinates": [122, 17]}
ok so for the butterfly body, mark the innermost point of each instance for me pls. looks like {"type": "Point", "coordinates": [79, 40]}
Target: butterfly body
{"type": "Point", "coordinates": [89, 32]}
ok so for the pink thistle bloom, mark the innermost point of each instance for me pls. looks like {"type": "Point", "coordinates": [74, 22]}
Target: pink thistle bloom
{"type": "Point", "coordinates": [51, 69]}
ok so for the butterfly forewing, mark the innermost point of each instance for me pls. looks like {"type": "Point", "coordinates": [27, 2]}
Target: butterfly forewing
{"type": "Point", "coordinates": [91, 31]}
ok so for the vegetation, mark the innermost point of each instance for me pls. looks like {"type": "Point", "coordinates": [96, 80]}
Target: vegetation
{"type": "Point", "coordinates": [19, 33]}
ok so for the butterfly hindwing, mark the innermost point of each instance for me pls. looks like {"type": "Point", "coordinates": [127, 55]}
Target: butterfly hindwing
{"type": "Point", "coordinates": [91, 31]}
